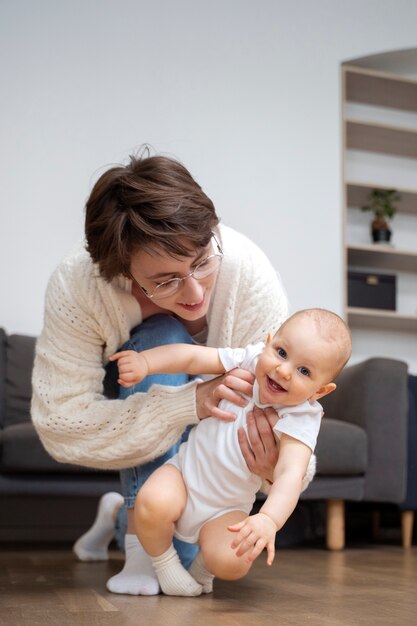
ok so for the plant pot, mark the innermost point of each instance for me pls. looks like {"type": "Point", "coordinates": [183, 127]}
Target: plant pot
{"type": "Point", "coordinates": [381, 235]}
{"type": "Point", "coordinates": [380, 230]}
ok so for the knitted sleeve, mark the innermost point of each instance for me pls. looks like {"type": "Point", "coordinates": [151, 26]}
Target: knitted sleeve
{"type": "Point", "coordinates": [261, 305]}
{"type": "Point", "coordinates": [252, 298]}
{"type": "Point", "coordinates": [75, 422]}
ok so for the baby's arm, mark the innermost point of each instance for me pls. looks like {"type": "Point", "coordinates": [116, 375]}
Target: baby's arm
{"type": "Point", "coordinates": [169, 359]}
{"type": "Point", "coordinates": [258, 531]}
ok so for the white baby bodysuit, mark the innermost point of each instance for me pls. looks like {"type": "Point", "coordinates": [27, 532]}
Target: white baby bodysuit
{"type": "Point", "coordinates": [212, 465]}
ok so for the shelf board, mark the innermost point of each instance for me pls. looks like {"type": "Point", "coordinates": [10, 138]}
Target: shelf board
{"type": "Point", "coordinates": [382, 257]}
{"type": "Point", "coordinates": [381, 89]}
{"type": "Point", "coordinates": [358, 194]}
{"type": "Point", "coordinates": [381, 319]}
{"type": "Point", "coordinates": [381, 138]}
{"type": "Point", "coordinates": [368, 71]}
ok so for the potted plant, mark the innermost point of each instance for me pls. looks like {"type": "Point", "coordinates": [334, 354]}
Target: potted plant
{"type": "Point", "coordinates": [382, 204]}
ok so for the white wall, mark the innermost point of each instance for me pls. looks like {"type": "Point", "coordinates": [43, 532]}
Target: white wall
{"type": "Point", "coordinates": [246, 94]}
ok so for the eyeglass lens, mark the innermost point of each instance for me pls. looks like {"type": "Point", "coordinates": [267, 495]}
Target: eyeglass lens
{"type": "Point", "coordinates": [203, 269]}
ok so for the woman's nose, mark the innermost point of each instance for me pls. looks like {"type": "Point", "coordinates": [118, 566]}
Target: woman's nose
{"type": "Point", "coordinates": [192, 290]}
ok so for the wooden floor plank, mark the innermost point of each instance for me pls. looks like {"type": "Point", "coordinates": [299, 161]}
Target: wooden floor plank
{"type": "Point", "coordinates": [357, 587]}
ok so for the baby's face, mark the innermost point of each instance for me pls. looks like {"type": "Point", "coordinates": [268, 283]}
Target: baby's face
{"type": "Point", "coordinates": [295, 364]}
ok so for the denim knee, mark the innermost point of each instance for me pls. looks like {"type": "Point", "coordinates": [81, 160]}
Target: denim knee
{"type": "Point", "coordinates": [157, 330]}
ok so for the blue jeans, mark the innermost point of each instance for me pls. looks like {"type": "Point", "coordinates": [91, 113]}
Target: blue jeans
{"type": "Point", "coordinates": [154, 331]}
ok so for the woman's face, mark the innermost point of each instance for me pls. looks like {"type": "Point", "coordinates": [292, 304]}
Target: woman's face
{"type": "Point", "coordinates": [191, 302]}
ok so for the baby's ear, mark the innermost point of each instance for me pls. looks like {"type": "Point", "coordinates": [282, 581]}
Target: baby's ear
{"type": "Point", "coordinates": [324, 391]}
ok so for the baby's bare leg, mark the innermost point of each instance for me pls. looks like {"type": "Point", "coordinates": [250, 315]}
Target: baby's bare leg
{"type": "Point", "coordinates": [159, 504]}
{"type": "Point", "coordinates": [215, 540]}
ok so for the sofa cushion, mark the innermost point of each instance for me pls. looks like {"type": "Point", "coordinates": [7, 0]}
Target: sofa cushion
{"type": "Point", "coordinates": [22, 451]}
{"type": "Point", "coordinates": [20, 350]}
{"type": "Point", "coordinates": [341, 449]}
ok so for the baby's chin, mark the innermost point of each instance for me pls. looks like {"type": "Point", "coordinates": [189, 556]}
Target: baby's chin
{"type": "Point", "coordinates": [284, 400]}
{"type": "Point", "coordinates": [300, 400]}
{"type": "Point", "coordinates": [294, 401]}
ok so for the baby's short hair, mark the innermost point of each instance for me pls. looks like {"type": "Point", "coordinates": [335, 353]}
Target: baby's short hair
{"type": "Point", "coordinates": [332, 328]}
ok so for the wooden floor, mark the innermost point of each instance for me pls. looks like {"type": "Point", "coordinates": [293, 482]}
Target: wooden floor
{"type": "Point", "coordinates": [366, 586]}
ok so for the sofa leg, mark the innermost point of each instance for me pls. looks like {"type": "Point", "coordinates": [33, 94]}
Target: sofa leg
{"type": "Point", "coordinates": [407, 523]}
{"type": "Point", "coordinates": [376, 525]}
{"type": "Point", "coordinates": [335, 532]}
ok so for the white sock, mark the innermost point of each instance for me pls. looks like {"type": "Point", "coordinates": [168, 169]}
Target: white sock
{"type": "Point", "coordinates": [199, 572]}
{"type": "Point", "coordinates": [173, 577]}
{"type": "Point", "coordinates": [137, 577]}
{"type": "Point", "coordinates": [93, 545]}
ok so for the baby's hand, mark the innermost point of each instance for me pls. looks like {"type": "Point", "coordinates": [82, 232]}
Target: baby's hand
{"type": "Point", "coordinates": [254, 534]}
{"type": "Point", "coordinates": [132, 365]}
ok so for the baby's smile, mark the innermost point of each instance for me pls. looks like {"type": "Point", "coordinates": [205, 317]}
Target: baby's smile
{"type": "Point", "coordinates": [274, 386]}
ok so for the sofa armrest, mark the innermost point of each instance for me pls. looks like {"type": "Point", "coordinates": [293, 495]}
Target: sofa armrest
{"type": "Point", "coordinates": [3, 360]}
{"type": "Point", "coordinates": [373, 394]}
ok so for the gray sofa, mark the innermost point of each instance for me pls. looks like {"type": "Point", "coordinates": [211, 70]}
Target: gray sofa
{"type": "Point", "coordinates": [361, 452]}
{"type": "Point", "coordinates": [40, 499]}
{"type": "Point", "coordinates": [362, 445]}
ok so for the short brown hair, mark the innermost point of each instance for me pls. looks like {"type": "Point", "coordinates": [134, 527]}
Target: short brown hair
{"type": "Point", "coordinates": [152, 201]}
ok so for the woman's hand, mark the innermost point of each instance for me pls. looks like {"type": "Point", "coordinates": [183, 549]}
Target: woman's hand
{"type": "Point", "coordinates": [230, 387]}
{"type": "Point", "coordinates": [262, 449]}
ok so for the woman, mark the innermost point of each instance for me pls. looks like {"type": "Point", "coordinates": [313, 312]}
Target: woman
{"type": "Point", "coordinates": [157, 268]}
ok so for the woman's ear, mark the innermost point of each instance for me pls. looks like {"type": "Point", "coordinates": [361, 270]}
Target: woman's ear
{"type": "Point", "coordinates": [323, 391]}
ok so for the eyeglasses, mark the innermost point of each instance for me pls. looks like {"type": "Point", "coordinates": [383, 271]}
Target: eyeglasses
{"type": "Point", "coordinates": [169, 287]}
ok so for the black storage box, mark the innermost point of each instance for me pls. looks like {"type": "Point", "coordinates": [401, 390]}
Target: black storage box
{"type": "Point", "coordinates": [372, 291]}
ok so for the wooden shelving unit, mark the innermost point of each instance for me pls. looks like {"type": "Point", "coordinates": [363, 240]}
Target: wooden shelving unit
{"type": "Point", "coordinates": [382, 257]}
{"type": "Point", "coordinates": [398, 93]}
{"type": "Point", "coordinates": [383, 320]}
{"type": "Point", "coordinates": [358, 193]}
{"type": "Point", "coordinates": [381, 138]}
{"type": "Point", "coordinates": [380, 89]}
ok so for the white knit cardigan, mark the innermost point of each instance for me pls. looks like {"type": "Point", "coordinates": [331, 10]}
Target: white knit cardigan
{"type": "Point", "coordinates": [86, 321]}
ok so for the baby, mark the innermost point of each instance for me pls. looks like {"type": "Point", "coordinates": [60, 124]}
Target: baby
{"type": "Point", "coordinates": [206, 491]}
